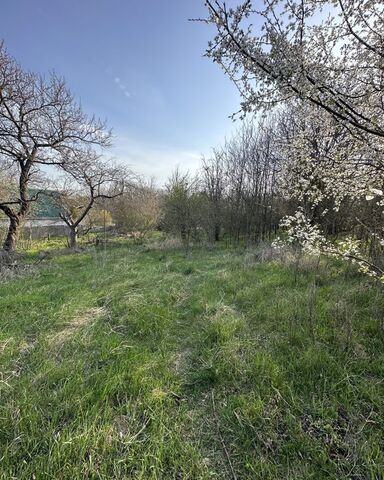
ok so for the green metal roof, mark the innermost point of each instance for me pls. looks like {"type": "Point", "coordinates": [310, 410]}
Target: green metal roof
{"type": "Point", "coordinates": [45, 206]}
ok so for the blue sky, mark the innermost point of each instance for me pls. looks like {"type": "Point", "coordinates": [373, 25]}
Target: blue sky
{"type": "Point", "coordinates": [136, 63]}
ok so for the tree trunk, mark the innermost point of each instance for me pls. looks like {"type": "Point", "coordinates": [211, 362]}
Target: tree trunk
{"type": "Point", "coordinates": [73, 238]}
{"type": "Point", "coordinates": [183, 232]}
{"type": "Point", "coordinates": [16, 217]}
{"type": "Point", "coordinates": [217, 232]}
{"type": "Point", "coordinates": [10, 241]}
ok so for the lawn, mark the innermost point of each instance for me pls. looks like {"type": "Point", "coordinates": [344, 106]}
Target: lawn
{"type": "Point", "coordinates": [143, 363]}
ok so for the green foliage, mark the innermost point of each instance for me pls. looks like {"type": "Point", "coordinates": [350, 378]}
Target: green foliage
{"type": "Point", "coordinates": [109, 360]}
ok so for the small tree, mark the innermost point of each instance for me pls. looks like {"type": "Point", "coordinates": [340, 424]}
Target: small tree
{"type": "Point", "coordinates": [94, 179]}
{"type": "Point", "coordinates": [182, 207]}
{"type": "Point", "coordinates": [40, 124]}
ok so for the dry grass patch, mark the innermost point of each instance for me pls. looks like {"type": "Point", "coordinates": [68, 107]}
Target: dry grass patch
{"type": "Point", "coordinates": [180, 361]}
{"type": "Point", "coordinates": [79, 321]}
{"type": "Point", "coordinates": [4, 344]}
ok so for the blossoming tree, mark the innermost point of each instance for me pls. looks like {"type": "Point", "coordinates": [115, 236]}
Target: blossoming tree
{"type": "Point", "coordinates": [327, 59]}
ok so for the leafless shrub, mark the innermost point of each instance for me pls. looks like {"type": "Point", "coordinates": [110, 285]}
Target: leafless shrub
{"type": "Point", "coordinates": [168, 243]}
{"type": "Point", "coordinates": [263, 253]}
{"type": "Point", "coordinates": [137, 211]}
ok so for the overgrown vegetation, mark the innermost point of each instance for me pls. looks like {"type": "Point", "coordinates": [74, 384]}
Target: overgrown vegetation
{"type": "Point", "coordinates": [140, 362]}
{"type": "Point", "coordinates": [236, 331]}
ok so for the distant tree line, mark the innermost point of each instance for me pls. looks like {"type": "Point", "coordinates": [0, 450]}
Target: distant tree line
{"type": "Point", "coordinates": [246, 187]}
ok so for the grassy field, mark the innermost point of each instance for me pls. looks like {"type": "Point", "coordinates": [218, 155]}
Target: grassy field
{"type": "Point", "coordinates": [142, 363]}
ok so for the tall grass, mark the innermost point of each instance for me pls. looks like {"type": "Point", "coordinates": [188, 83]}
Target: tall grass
{"type": "Point", "coordinates": [145, 363]}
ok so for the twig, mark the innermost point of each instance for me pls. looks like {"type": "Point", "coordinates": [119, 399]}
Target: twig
{"type": "Point", "coordinates": [138, 433]}
{"type": "Point", "coordinates": [234, 476]}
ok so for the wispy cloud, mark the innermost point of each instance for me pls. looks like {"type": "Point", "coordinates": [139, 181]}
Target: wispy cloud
{"type": "Point", "coordinates": [154, 161]}
{"type": "Point", "coordinates": [122, 87]}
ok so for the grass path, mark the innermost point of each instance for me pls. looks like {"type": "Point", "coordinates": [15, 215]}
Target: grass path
{"type": "Point", "coordinates": [145, 364]}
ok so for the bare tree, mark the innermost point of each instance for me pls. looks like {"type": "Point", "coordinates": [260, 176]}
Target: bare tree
{"type": "Point", "coordinates": [249, 171]}
{"type": "Point", "coordinates": [213, 184]}
{"type": "Point", "coordinates": [40, 124]}
{"type": "Point", "coordinates": [94, 179]}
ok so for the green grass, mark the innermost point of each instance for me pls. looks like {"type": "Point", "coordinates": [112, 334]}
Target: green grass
{"type": "Point", "coordinates": [146, 364]}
